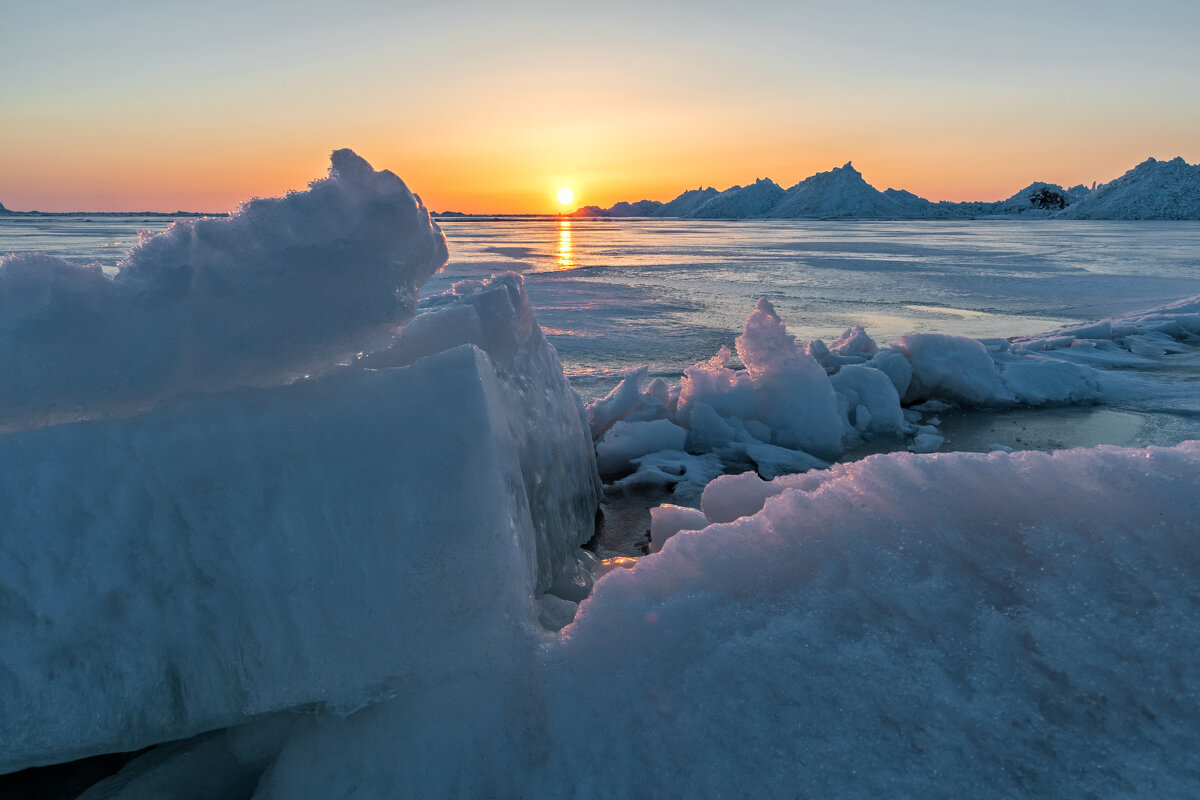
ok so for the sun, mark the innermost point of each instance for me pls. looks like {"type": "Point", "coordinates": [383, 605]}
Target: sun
{"type": "Point", "coordinates": [565, 196]}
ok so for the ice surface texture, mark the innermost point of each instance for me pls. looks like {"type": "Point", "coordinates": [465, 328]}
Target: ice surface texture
{"type": "Point", "coordinates": [961, 624]}
{"type": "Point", "coordinates": [905, 626]}
{"type": "Point", "coordinates": [381, 528]}
{"type": "Point", "coordinates": [794, 404]}
{"type": "Point", "coordinates": [283, 287]}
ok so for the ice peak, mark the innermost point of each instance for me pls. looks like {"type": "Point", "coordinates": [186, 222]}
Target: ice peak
{"type": "Point", "coordinates": [345, 163]}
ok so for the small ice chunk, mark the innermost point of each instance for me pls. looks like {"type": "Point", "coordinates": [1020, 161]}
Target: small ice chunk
{"type": "Point", "coordinates": [873, 391]}
{"type": "Point", "coordinates": [1041, 381]}
{"type": "Point", "coordinates": [555, 613]}
{"type": "Point", "coordinates": [926, 443]}
{"type": "Point", "coordinates": [730, 393]}
{"type": "Point", "coordinates": [626, 441]}
{"type": "Point", "coordinates": [731, 496]}
{"type": "Point", "coordinates": [952, 367]}
{"type": "Point", "coordinates": [794, 394]}
{"type": "Point", "coordinates": [707, 430]}
{"type": "Point", "coordinates": [624, 397]}
{"type": "Point", "coordinates": [854, 342]}
{"type": "Point", "coordinates": [896, 367]}
{"type": "Point", "coordinates": [773, 460]}
{"type": "Point", "coordinates": [667, 520]}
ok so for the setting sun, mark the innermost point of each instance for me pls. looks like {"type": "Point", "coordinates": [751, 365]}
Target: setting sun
{"type": "Point", "coordinates": [565, 196]}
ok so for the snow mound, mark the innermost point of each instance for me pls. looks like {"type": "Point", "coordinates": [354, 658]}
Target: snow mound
{"type": "Point", "coordinates": [1151, 190]}
{"type": "Point", "coordinates": [841, 192]}
{"type": "Point", "coordinates": [914, 626]}
{"type": "Point", "coordinates": [740, 202]}
{"type": "Point", "coordinates": [686, 204]}
{"type": "Point", "coordinates": [283, 287]}
{"type": "Point", "coordinates": [1036, 199]}
{"type": "Point", "coordinates": [911, 626]}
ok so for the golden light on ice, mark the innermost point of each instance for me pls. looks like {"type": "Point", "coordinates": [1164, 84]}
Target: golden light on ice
{"type": "Point", "coordinates": [565, 196]}
{"type": "Point", "coordinates": [566, 257]}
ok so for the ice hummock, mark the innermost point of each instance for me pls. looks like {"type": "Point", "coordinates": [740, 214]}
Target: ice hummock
{"type": "Point", "coordinates": [284, 287]}
{"type": "Point", "coordinates": [1151, 190]}
{"type": "Point", "coordinates": [381, 527]}
{"type": "Point", "coordinates": [793, 406]}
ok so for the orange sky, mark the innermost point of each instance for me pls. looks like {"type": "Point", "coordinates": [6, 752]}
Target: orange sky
{"type": "Point", "coordinates": [491, 108]}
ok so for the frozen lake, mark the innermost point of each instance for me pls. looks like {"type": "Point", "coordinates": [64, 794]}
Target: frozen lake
{"type": "Point", "coordinates": [614, 294]}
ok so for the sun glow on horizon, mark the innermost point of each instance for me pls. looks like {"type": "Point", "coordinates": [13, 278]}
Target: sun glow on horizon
{"type": "Point", "coordinates": [565, 196]}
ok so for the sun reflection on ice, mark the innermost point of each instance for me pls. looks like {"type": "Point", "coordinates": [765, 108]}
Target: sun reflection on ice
{"type": "Point", "coordinates": [565, 255]}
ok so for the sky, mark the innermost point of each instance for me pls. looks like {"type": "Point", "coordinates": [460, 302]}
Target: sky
{"type": "Point", "coordinates": [493, 107]}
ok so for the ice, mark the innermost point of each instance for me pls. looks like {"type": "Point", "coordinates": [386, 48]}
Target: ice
{"type": "Point", "coordinates": [617, 404]}
{"type": "Point", "coordinates": [728, 392]}
{"type": "Point", "coordinates": [1003, 622]}
{"type": "Point", "coordinates": [794, 395]}
{"type": "Point", "coordinates": [772, 460]}
{"type": "Point", "coordinates": [385, 527]}
{"type": "Point", "coordinates": [732, 496]}
{"type": "Point", "coordinates": [686, 474]}
{"type": "Point", "coordinates": [956, 625]}
{"type": "Point", "coordinates": [1151, 190]}
{"type": "Point", "coordinates": [794, 405]}
{"type": "Point", "coordinates": [952, 367]}
{"type": "Point", "coordinates": [1041, 382]}
{"type": "Point", "coordinates": [627, 440]}
{"type": "Point", "coordinates": [667, 520]}
{"type": "Point", "coordinates": [199, 564]}
{"type": "Point", "coordinates": [284, 287]}
{"type": "Point", "coordinates": [739, 202]}
{"type": "Point", "coordinates": [842, 192]}
{"type": "Point", "coordinates": [872, 391]}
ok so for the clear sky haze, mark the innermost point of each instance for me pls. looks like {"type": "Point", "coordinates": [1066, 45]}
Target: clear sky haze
{"type": "Point", "coordinates": [493, 107]}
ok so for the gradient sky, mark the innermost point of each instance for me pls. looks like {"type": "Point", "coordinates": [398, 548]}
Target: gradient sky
{"type": "Point", "coordinates": [491, 107]}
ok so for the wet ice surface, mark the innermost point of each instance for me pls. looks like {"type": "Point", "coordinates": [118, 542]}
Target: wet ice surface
{"type": "Point", "coordinates": [614, 294]}
{"type": "Point", "coordinates": [78, 239]}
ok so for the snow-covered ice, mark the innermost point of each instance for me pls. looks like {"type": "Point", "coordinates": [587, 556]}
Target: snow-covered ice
{"type": "Point", "coordinates": [282, 288]}
{"type": "Point", "coordinates": [950, 625]}
{"type": "Point", "coordinates": [377, 529]}
{"type": "Point", "coordinates": [1151, 190]}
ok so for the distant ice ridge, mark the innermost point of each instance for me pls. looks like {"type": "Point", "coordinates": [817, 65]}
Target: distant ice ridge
{"type": "Point", "coordinates": [391, 526]}
{"type": "Point", "coordinates": [795, 406]}
{"type": "Point", "coordinates": [284, 287]}
{"type": "Point", "coordinates": [955, 625]}
{"type": "Point", "coordinates": [1151, 190]}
